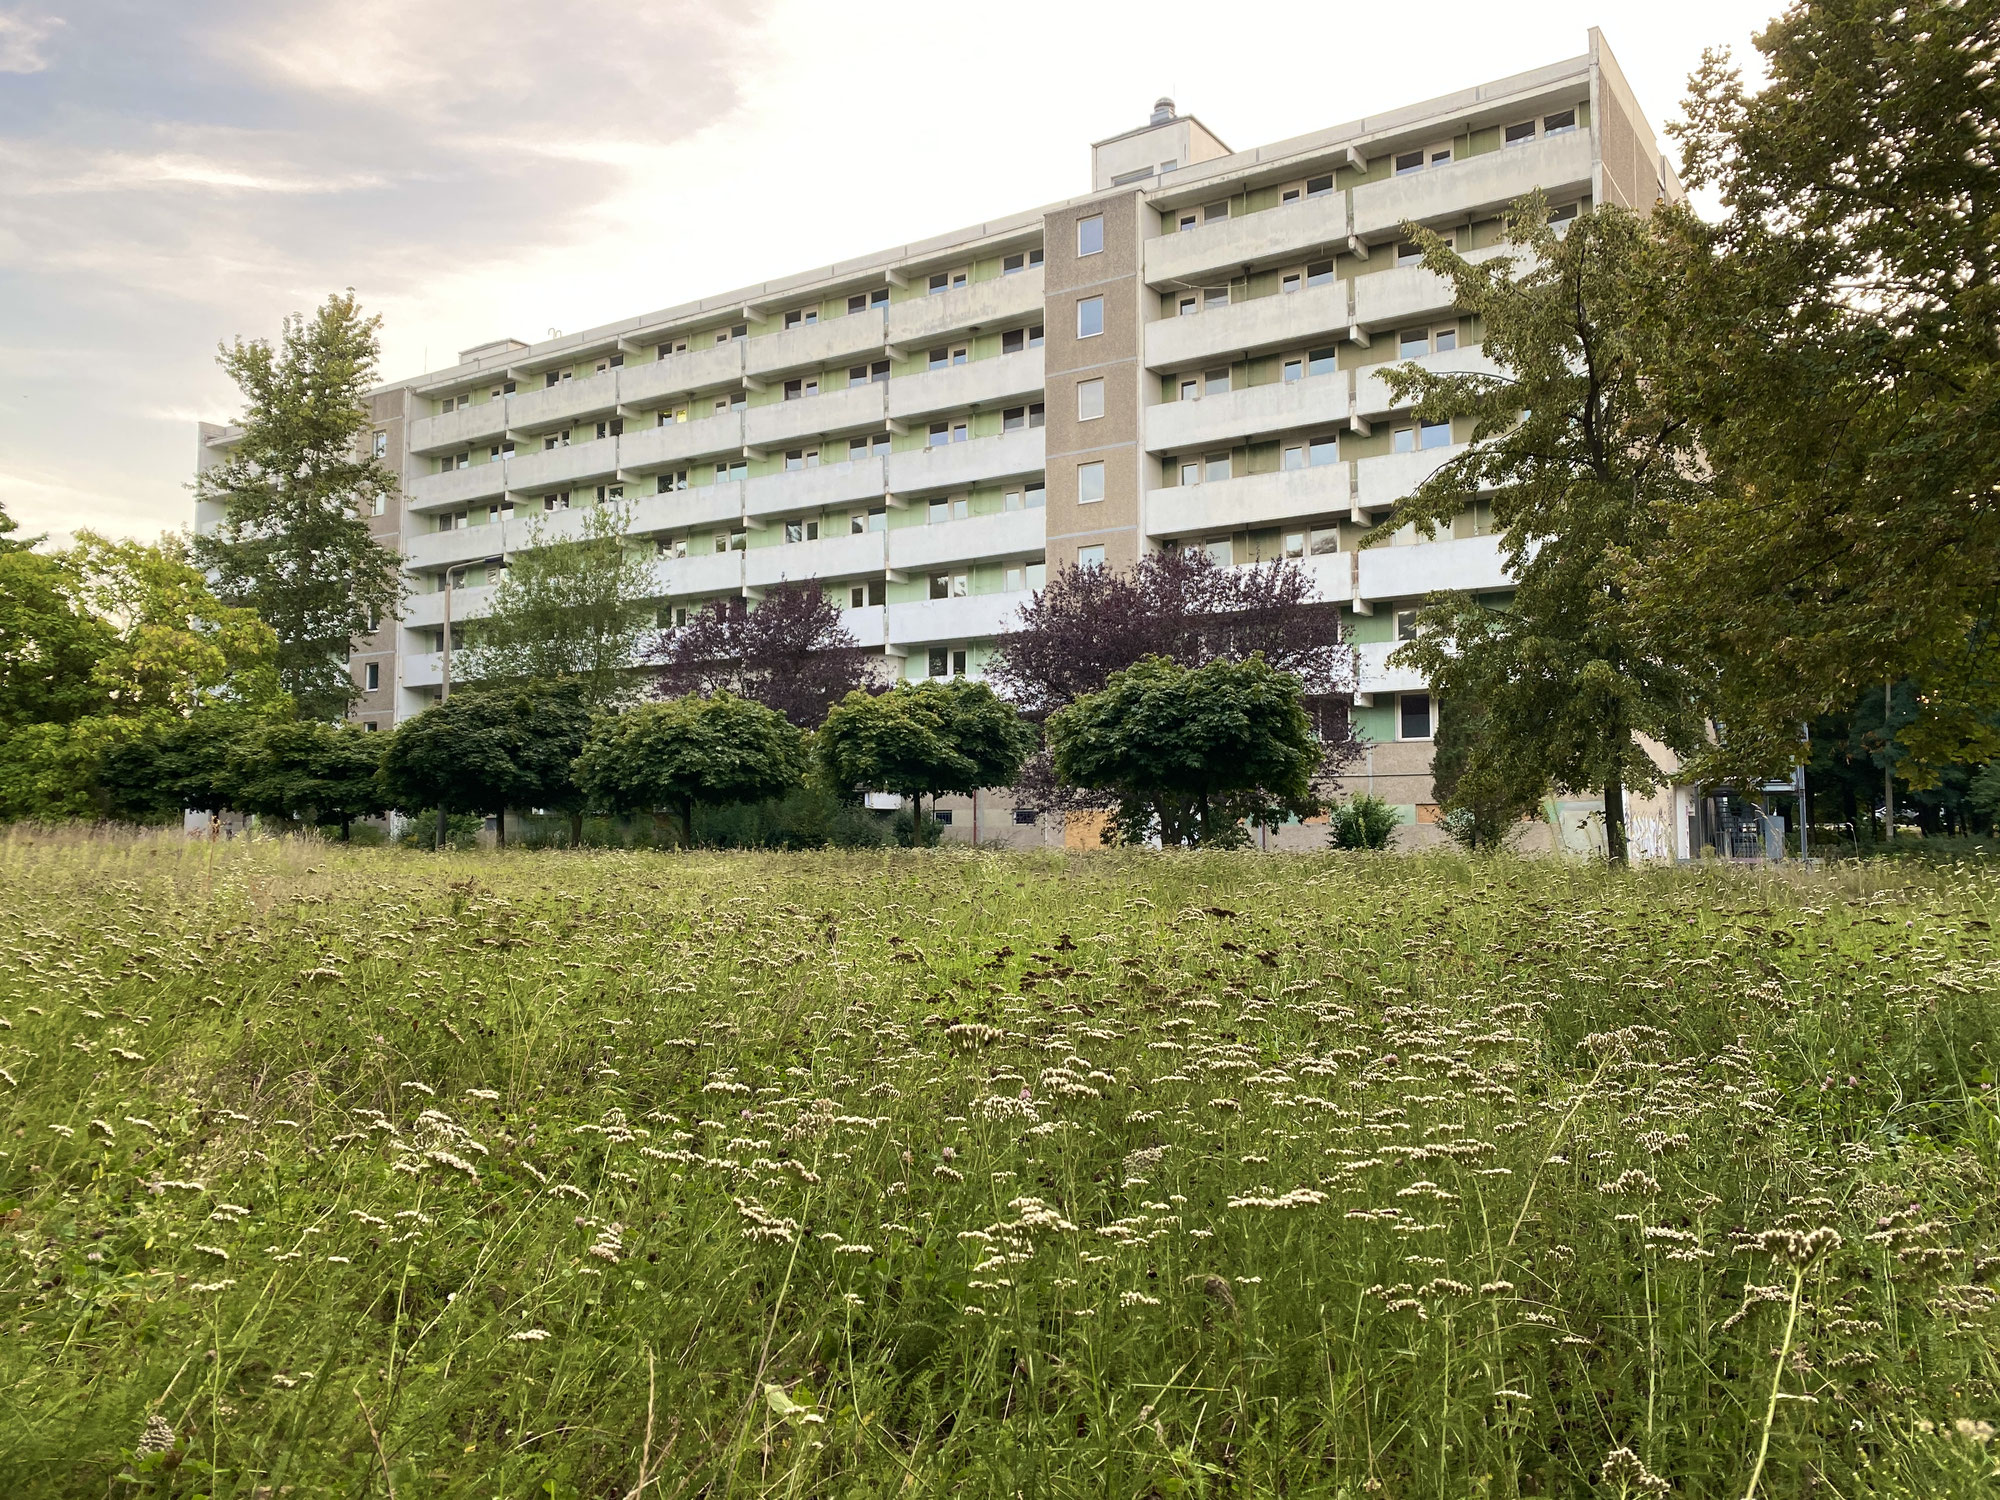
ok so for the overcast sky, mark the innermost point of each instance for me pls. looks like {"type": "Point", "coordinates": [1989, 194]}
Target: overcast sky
{"type": "Point", "coordinates": [178, 172]}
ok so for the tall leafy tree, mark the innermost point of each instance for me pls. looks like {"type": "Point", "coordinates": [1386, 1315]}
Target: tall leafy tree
{"type": "Point", "coordinates": [1581, 451]}
{"type": "Point", "coordinates": [308, 771]}
{"type": "Point", "coordinates": [924, 740]}
{"type": "Point", "coordinates": [788, 651]}
{"type": "Point", "coordinates": [1482, 796]}
{"type": "Point", "coordinates": [293, 544]}
{"type": "Point", "coordinates": [487, 750]}
{"type": "Point", "coordinates": [573, 605]}
{"type": "Point", "coordinates": [1192, 754]}
{"type": "Point", "coordinates": [176, 764]}
{"type": "Point", "coordinates": [708, 751]}
{"type": "Point", "coordinates": [1841, 329]}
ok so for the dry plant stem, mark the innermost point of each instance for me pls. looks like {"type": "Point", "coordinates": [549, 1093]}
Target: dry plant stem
{"type": "Point", "coordinates": [1777, 1379]}
{"type": "Point", "coordinates": [646, 1443]}
{"type": "Point", "coordinates": [1528, 1198]}
{"type": "Point", "coordinates": [388, 1479]}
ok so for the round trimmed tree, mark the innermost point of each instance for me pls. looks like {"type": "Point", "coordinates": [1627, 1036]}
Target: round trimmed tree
{"type": "Point", "coordinates": [686, 751]}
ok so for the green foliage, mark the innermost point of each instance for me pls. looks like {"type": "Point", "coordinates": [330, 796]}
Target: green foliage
{"type": "Point", "coordinates": [935, 737]}
{"type": "Point", "coordinates": [461, 830]}
{"type": "Point", "coordinates": [485, 751]}
{"type": "Point", "coordinates": [687, 751]}
{"type": "Point", "coordinates": [308, 771]}
{"type": "Point", "coordinates": [50, 641]}
{"type": "Point", "coordinates": [1362, 821]}
{"type": "Point", "coordinates": [1583, 452]}
{"type": "Point", "coordinates": [1483, 797]}
{"type": "Point", "coordinates": [1841, 337]}
{"type": "Point", "coordinates": [176, 764]}
{"type": "Point", "coordinates": [520, 1102]}
{"type": "Point", "coordinates": [1192, 754]}
{"type": "Point", "coordinates": [294, 544]}
{"type": "Point", "coordinates": [807, 817]}
{"type": "Point", "coordinates": [913, 832]}
{"type": "Point", "coordinates": [572, 606]}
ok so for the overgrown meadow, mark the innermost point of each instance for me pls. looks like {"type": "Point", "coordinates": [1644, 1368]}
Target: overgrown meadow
{"type": "Point", "coordinates": [336, 1172]}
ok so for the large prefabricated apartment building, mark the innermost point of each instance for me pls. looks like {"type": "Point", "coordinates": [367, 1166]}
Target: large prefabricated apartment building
{"type": "Point", "coordinates": [1189, 354]}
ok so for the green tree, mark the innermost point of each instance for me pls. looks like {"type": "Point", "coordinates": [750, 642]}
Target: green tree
{"type": "Point", "coordinates": [1362, 821]}
{"type": "Point", "coordinates": [1482, 797]}
{"type": "Point", "coordinates": [1581, 450]}
{"type": "Point", "coordinates": [569, 606]}
{"type": "Point", "coordinates": [176, 764]}
{"type": "Point", "coordinates": [293, 543]}
{"type": "Point", "coordinates": [307, 771]}
{"type": "Point", "coordinates": [1192, 755]}
{"type": "Point", "coordinates": [924, 740]}
{"type": "Point", "coordinates": [687, 752]}
{"type": "Point", "coordinates": [1841, 330]}
{"type": "Point", "coordinates": [50, 642]}
{"type": "Point", "coordinates": [487, 750]}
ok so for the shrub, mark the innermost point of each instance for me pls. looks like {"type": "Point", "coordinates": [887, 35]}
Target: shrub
{"type": "Point", "coordinates": [1363, 821]}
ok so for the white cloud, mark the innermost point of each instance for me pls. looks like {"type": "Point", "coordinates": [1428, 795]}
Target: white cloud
{"type": "Point", "coordinates": [21, 36]}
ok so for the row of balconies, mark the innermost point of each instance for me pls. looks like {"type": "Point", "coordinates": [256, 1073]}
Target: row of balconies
{"type": "Point", "coordinates": [648, 382]}
{"type": "Point", "coordinates": [635, 457]}
{"type": "Point", "coordinates": [1373, 213]}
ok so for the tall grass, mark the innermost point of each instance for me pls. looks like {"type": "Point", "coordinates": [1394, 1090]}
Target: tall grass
{"type": "Point", "coordinates": [328, 1172]}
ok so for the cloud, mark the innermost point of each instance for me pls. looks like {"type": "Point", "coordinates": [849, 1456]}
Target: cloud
{"type": "Point", "coordinates": [21, 36]}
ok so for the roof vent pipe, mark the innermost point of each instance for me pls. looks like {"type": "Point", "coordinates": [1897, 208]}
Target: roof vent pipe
{"type": "Point", "coordinates": [1163, 111]}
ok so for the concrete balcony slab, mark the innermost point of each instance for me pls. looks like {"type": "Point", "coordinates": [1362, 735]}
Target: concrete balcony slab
{"type": "Point", "coordinates": [957, 466]}
{"type": "Point", "coordinates": [1018, 534]}
{"type": "Point", "coordinates": [922, 321]}
{"type": "Point", "coordinates": [977, 386]}
{"type": "Point", "coordinates": [856, 337]}
{"type": "Point", "coordinates": [861, 408]}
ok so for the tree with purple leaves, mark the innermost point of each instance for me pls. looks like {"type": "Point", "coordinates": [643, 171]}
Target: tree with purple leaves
{"type": "Point", "coordinates": [788, 651]}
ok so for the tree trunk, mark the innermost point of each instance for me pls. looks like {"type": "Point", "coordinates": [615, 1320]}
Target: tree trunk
{"type": "Point", "coordinates": [575, 829]}
{"type": "Point", "coordinates": [687, 822]}
{"type": "Point", "coordinates": [440, 829]}
{"type": "Point", "coordinates": [500, 829]}
{"type": "Point", "coordinates": [346, 830]}
{"type": "Point", "coordinates": [916, 820]}
{"type": "Point", "coordinates": [1614, 817]}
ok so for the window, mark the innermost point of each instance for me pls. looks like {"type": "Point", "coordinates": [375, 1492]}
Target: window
{"type": "Point", "coordinates": [1291, 281]}
{"type": "Point", "coordinates": [672, 346]}
{"type": "Point", "coordinates": [1029, 498]}
{"type": "Point", "coordinates": [1408, 162]}
{"type": "Point", "coordinates": [1020, 261]}
{"type": "Point", "coordinates": [1215, 211]}
{"type": "Point", "coordinates": [1089, 317]}
{"type": "Point", "coordinates": [1564, 214]}
{"type": "Point", "coordinates": [1434, 434]}
{"type": "Point", "coordinates": [1089, 400]}
{"type": "Point", "coordinates": [1089, 483]}
{"type": "Point", "coordinates": [1090, 235]}
{"type": "Point", "coordinates": [804, 317]}
{"type": "Point", "coordinates": [1319, 186]}
{"type": "Point", "coordinates": [1559, 123]}
{"type": "Point", "coordinates": [861, 522]}
{"type": "Point", "coordinates": [500, 452]}
{"type": "Point", "coordinates": [672, 480]}
{"type": "Point", "coordinates": [950, 510]}
{"type": "Point", "coordinates": [371, 680]}
{"type": "Point", "coordinates": [381, 445]}
{"type": "Point", "coordinates": [555, 378]}
{"type": "Point", "coordinates": [944, 433]}
{"type": "Point", "coordinates": [369, 725]}
{"type": "Point", "coordinates": [380, 505]}
{"type": "Point", "coordinates": [861, 595]}
{"type": "Point", "coordinates": [1016, 340]}
{"type": "Point", "coordinates": [1322, 450]}
{"type": "Point", "coordinates": [795, 531]}
{"type": "Point", "coordinates": [801, 458]}
{"type": "Point", "coordinates": [503, 390]}
{"type": "Point", "coordinates": [1522, 134]}
{"type": "Point", "coordinates": [1213, 297]}
{"type": "Point", "coordinates": [1215, 382]}
{"type": "Point", "coordinates": [860, 447]}
{"type": "Point", "coordinates": [1294, 456]}
{"type": "Point", "coordinates": [1090, 557]}
{"type": "Point", "coordinates": [867, 374]}
{"type": "Point", "coordinates": [950, 585]}
{"type": "Point", "coordinates": [614, 362]}
{"type": "Point", "coordinates": [1294, 369]}
{"type": "Point", "coordinates": [1413, 342]}
{"type": "Point", "coordinates": [1215, 467]}
{"type": "Point", "coordinates": [1221, 551]}
{"type": "Point", "coordinates": [671, 546]}
{"type": "Point", "coordinates": [611, 492]}
{"type": "Point", "coordinates": [725, 335]}
{"type": "Point", "coordinates": [1295, 544]}
{"type": "Point", "coordinates": [1444, 340]}
{"type": "Point", "coordinates": [1322, 361]}
{"type": "Point", "coordinates": [1409, 253]}
{"type": "Point", "coordinates": [1188, 388]}
{"type": "Point", "coordinates": [549, 444]}
{"type": "Point", "coordinates": [1413, 715]}
{"type": "Point", "coordinates": [805, 385]}
{"type": "Point", "coordinates": [1185, 220]}
{"type": "Point", "coordinates": [731, 471]}
{"type": "Point", "coordinates": [615, 427]}
{"type": "Point", "coordinates": [1406, 624]}
{"type": "Point", "coordinates": [735, 401]}
{"type": "Point", "coordinates": [1024, 817]}
{"type": "Point", "coordinates": [730, 541]}
{"type": "Point", "coordinates": [1324, 540]}
{"type": "Point", "coordinates": [1020, 418]}
{"type": "Point", "coordinates": [556, 502]}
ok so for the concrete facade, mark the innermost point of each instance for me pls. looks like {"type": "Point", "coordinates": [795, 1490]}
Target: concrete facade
{"type": "Point", "coordinates": [930, 429]}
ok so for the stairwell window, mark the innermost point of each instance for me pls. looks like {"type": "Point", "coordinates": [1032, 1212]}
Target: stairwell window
{"type": "Point", "coordinates": [1089, 317]}
{"type": "Point", "coordinates": [1089, 557]}
{"type": "Point", "coordinates": [1089, 483]}
{"type": "Point", "coordinates": [1089, 400]}
{"type": "Point", "coordinates": [372, 677]}
{"type": "Point", "coordinates": [381, 445]}
{"type": "Point", "coordinates": [1090, 235]}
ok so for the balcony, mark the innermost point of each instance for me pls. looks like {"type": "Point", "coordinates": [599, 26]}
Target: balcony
{"type": "Point", "coordinates": [698, 575]}
{"type": "Point", "coordinates": [422, 669]}
{"type": "Point", "coordinates": [799, 490]}
{"type": "Point", "coordinates": [1558, 164]}
{"type": "Point", "coordinates": [861, 408]}
{"type": "Point", "coordinates": [849, 556]}
{"type": "Point", "coordinates": [644, 449]}
{"type": "Point", "coordinates": [1371, 392]}
{"type": "Point", "coordinates": [974, 617]}
{"type": "Point", "coordinates": [1377, 676]}
{"type": "Point", "coordinates": [1011, 534]}
{"type": "Point", "coordinates": [655, 382]}
{"type": "Point", "coordinates": [436, 549]}
{"type": "Point", "coordinates": [1315, 316]}
{"type": "Point", "coordinates": [1232, 417]}
{"type": "Point", "coordinates": [1381, 481]}
{"type": "Point", "coordinates": [559, 468]}
{"type": "Point", "coordinates": [1213, 252]}
{"type": "Point", "coordinates": [1252, 501]}
{"type": "Point", "coordinates": [476, 482]}
{"type": "Point", "coordinates": [1332, 574]}
{"type": "Point", "coordinates": [980, 384]}
{"type": "Point", "coordinates": [680, 510]}
{"type": "Point", "coordinates": [426, 611]}
{"type": "Point", "coordinates": [921, 321]}
{"type": "Point", "coordinates": [451, 431]}
{"type": "Point", "coordinates": [957, 466]}
{"type": "Point", "coordinates": [853, 338]}
{"type": "Point", "coordinates": [564, 404]}
{"type": "Point", "coordinates": [1397, 295]}
{"type": "Point", "coordinates": [1473, 564]}
{"type": "Point", "coordinates": [869, 626]}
